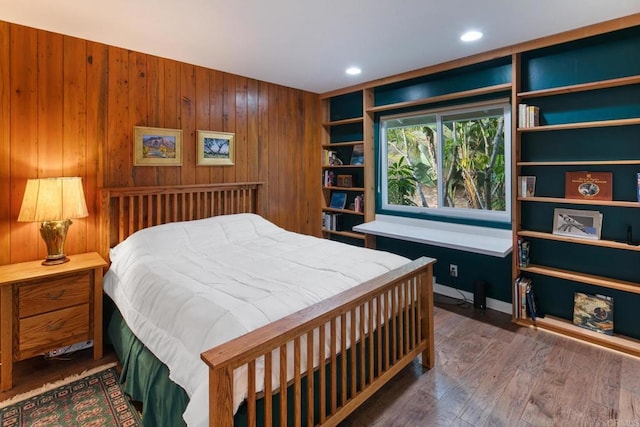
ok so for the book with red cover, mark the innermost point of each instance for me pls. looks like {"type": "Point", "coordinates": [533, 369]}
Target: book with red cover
{"type": "Point", "coordinates": [588, 185]}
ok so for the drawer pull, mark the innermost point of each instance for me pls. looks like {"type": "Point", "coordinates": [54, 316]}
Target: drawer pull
{"type": "Point", "coordinates": [55, 326]}
{"type": "Point", "coordinates": [57, 295]}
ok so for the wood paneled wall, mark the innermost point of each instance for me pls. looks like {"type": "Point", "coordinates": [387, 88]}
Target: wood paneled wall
{"type": "Point", "coordinates": [68, 107]}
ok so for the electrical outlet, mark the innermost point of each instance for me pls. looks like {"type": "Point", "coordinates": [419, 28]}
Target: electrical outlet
{"type": "Point", "coordinates": [453, 270]}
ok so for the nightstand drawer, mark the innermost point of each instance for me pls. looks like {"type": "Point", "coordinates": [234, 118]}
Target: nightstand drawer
{"type": "Point", "coordinates": [39, 334]}
{"type": "Point", "coordinates": [54, 294]}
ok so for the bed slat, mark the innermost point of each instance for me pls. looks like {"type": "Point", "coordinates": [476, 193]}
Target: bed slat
{"type": "Point", "coordinates": [251, 394]}
{"type": "Point", "coordinates": [310, 382]}
{"type": "Point", "coordinates": [297, 395]}
{"type": "Point", "coordinates": [268, 397]}
{"type": "Point", "coordinates": [283, 383]}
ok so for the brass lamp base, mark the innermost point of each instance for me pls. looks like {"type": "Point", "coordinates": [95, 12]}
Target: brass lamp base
{"type": "Point", "coordinates": [57, 261]}
{"type": "Point", "coordinates": [54, 233]}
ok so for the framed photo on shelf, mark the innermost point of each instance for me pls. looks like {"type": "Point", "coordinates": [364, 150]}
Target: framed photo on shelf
{"type": "Point", "coordinates": [344, 181]}
{"type": "Point", "coordinates": [526, 186]}
{"type": "Point", "coordinates": [577, 223]}
{"type": "Point", "coordinates": [157, 146]}
{"type": "Point", "coordinates": [338, 200]}
{"type": "Point", "coordinates": [593, 312]}
{"type": "Point", "coordinates": [215, 148]}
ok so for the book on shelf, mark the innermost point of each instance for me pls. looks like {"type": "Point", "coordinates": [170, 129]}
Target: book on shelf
{"type": "Point", "coordinates": [528, 116]}
{"type": "Point", "coordinates": [588, 185]}
{"type": "Point", "coordinates": [326, 156]}
{"type": "Point", "coordinates": [520, 285]}
{"type": "Point", "coordinates": [533, 116]}
{"type": "Point", "coordinates": [358, 203]}
{"type": "Point", "coordinates": [526, 186]}
{"type": "Point", "coordinates": [523, 252]}
{"type": "Point", "coordinates": [357, 155]}
{"type": "Point", "coordinates": [638, 185]}
{"type": "Point", "coordinates": [594, 312]}
{"type": "Point", "coordinates": [329, 178]}
{"type": "Point", "coordinates": [338, 200]}
{"type": "Point", "coordinates": [332, 222]}
{"type": "Point", "coordinates": [522, 117]}
{"type": "Point", "coordinates": [531, 302]}
{"type": "Point", "coordinates": [526, 307]}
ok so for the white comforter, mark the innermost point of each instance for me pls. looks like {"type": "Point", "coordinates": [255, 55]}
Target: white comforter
{"type": "Point", "coordinates": [185, 287]}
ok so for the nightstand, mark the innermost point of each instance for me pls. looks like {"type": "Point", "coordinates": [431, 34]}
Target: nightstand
{"type": "Point", "coordinates": [46, 307]}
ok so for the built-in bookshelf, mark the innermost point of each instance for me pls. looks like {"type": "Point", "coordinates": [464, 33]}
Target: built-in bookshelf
{"type": "Point", "coordinates": [575, 120]}
{"type": "Point", "coordinates": [343, 133]}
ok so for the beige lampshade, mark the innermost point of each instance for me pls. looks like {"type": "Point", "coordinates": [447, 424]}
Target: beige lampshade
{"type": "Point", "coordinates": [53, 199]}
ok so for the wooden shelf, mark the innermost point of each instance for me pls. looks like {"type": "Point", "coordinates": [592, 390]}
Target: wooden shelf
{"type": "Point", "coordinates": [343, 122]}
{"type": "Point", "coordinates": [344, 211]}
{"type": "Point", "coordinates": [450, 96]}
{"type": "Point", "coordinates": [603, 243]}
{"type": "Point", "coordinates": [342, 166]}
{"type": "Point", "coordinates": [344, 188]}
{"type": "Point", "coordinates": [617, 203]}
{"type": "Point", "coordinates": [583, 125]}
{"type": "Point", "coordinates": [616, 342]}
{"type": "Point", "coordinates": [345, 234]}
{"type": "Point", "coordinates": [580, 163]}
{"type": "Point", "coordinates": [590, 279]}
{"type": "Point", "coordinates": [583, 87]}
{"type": "Point", "coordinates": [341, 144]}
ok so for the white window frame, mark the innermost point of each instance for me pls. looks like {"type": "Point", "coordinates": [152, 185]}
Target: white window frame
{"type": "Point", "coordinates": [441, 210]}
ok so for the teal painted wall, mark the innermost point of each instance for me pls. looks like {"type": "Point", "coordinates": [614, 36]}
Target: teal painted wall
{"type": "Point", "coordinates": [471, 267]}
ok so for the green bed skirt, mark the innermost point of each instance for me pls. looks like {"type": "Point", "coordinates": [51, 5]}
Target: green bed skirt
{"type": "Point", "coordinates": [146, 379]}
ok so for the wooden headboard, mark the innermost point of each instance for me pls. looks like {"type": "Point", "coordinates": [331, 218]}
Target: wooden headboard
{"type": "Point", "coordinates": [125, 210]}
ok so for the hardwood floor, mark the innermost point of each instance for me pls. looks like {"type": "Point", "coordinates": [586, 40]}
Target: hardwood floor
{"type": "Point", "coordinates": [490, 372]}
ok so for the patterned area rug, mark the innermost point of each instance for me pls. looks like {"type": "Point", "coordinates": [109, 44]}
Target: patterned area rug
{"type": "Point", "coordinates": [91, 399]}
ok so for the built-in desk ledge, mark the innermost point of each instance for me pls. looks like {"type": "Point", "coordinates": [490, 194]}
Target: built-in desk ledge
{"type": "Point", "coordinates": [481, 240]}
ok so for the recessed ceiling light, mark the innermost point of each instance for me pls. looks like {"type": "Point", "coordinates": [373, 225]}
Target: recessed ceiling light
{"type": "Point", "coordinates": [353, 71]}
{"type": "Point", "coordinates": [471, 36]}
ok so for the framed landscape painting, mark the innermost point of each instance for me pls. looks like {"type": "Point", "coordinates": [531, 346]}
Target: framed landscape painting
{"type": "Point", "coordinates": [215, 148]}
{"type": "Point", "coordinates": [157, 146]}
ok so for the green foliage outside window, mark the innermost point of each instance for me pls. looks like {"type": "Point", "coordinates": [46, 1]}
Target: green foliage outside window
{"type": "Point", "coordinates": [472, 151]}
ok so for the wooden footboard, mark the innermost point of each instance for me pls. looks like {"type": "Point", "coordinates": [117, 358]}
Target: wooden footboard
{"type": "Point", "coordinates": [399, 330]}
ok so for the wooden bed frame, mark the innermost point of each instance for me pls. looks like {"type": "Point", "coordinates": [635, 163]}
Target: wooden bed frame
{"type": "Point", "coordinates": [400, 329]}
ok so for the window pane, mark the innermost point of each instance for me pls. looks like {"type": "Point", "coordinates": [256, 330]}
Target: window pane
{"type": "Point", "coordinates": [474, 160]}
{"type": "Point", "coordinates": [411, 147]}
{"type": "Point", "coordinates": [449, 162]}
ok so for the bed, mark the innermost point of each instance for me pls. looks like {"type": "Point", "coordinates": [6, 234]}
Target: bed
{"type": "Point", "coordinates": [327, 322]}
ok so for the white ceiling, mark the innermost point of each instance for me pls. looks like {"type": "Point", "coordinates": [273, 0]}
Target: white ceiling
{"type": "Point", "coordinates": [308, 44]}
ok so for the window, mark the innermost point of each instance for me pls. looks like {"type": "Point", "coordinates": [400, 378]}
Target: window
{"type": "Point", "coordinates": [451, 162]}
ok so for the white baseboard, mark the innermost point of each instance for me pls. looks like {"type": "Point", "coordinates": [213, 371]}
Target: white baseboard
{"type": "Point", "coordinates": [448, 291]}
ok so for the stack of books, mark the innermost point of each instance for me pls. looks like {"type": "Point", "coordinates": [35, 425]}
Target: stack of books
{"type": "Point", "coordinates": [528, 116]}
{"type": "Point", "coordinates": [525, 299]}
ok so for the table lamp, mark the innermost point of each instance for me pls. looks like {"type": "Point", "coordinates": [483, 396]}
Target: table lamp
{"type": "Point", "coordinates": [53, 202]}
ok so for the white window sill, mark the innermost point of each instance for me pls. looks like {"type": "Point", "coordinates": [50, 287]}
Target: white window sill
{"type": "Point", "coordinates": [482, 240]}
